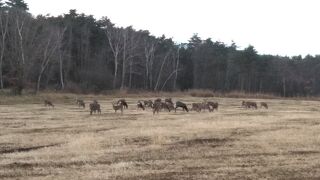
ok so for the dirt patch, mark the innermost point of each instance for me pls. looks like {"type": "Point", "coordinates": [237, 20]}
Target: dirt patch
{"type": "Point", "coordinates": [26, 149]}
{"type": "Point", "coordinates": [300, 121]}
{"type": "Point", "coordinates": [142, 141]}
{"type": "Point", "coordinates": [303, 152]}
{"type": "Point", "coordinates": [104, 129]}
{"type": "Point", "coordinates": [47, 130]}
{"type": "Point", "coordinates": [213, 142]}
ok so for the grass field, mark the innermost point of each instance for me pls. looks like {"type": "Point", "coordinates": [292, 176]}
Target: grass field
{"type": "Point", "coordinates": [282, 142]}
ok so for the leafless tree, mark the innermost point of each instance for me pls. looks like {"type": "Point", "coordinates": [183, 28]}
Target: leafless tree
{"type": "Point", "coordinates": [149, 51]}
{"type": "Point", "coordinates": [161, 69]}
{"type": "Point", "coordinates": [114, 36]}
{"type": "Point", "coordinates": [50, 46]}
{"type": "Point", "coordinates": [61, 52]}
{"type": "Point", "coordinates": [4, 29]}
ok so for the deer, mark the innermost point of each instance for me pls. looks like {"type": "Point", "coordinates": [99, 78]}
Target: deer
{"type": "Point", "coordinates": [140, 105]}
{"type": "Point", "coordinates": [157, 106]}
{"type": "Point", "coordinates": [117, 107]}
{"type": "Point", "coordinates": [148, 103]}
{"type": "Point", "coordinates": [196, 107]}
{"type": "Point", "coordinates": [181, 105]}
{"type": "Point", "coordinates": [95, 107]}
{"type": "Point", "coordinates": [249, 104]}
{"type": "Point", "coordinates": [169, 104]}
{"type": "Point", "coordinates": [168, 100]}
{"type": "Point", "coordinates": [123, 102]}
{"type": "Point", "coordinates": [48, 103]}
{"type": "Point", "coordinates": [157, 100]}
{"type": "Point", "coordinates": [214, 105]}
{"type": "Point", "coordinates": [204, 106]}
{"type": "Point", "coordinates": [81, 103]}
{"type": "Point", "coordinates": [264, 104]}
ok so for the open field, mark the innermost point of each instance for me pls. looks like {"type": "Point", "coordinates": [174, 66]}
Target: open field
{"type": "Point", "coordinates": [282, 142]}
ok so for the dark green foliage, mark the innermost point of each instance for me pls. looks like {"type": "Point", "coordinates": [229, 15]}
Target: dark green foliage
{"type": "Point", "coordinates": [95, 55]}
{"type": "Point", "coordinates": [17, 4]}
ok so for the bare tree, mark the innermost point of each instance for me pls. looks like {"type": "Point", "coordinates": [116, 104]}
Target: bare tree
{"type": "Point", "coordinates": [161, 69]}
{"type": "Point", "coordinates": [4, 30]}
{"type": "Point", "coordinates": [124, 58]}
{"type": "Point", "coordinates": [176, 68]}
{"type": "Point", "coordinates": [149, 51]}
{"type": "Point", "coordinates": [51, 44]}
{"type": "Point", "coordinates": [114, 40]}
{"type": "Point", "coordinates": [60, 51]}
{"type": "Point", "coordinates": [130, 45]}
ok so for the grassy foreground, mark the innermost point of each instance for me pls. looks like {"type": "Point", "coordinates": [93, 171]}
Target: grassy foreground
{"type": "Point", "coordinates": [282, 142]}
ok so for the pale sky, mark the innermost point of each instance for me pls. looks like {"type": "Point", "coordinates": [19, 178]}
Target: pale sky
{"type": "Point", "coordinates": [278, 27]}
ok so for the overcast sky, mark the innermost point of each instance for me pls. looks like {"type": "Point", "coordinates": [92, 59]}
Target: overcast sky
{"type": "Point", "coordinates": [278, 27]}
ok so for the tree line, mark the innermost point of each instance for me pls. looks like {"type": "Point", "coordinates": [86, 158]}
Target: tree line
{"type": "Point", "coordinates": [77, 52]}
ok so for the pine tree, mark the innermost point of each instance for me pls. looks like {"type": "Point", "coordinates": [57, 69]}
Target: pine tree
{"type": "Point", "coordinates": [19, 4]}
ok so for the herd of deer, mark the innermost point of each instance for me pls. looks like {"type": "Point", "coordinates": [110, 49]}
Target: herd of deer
{"type": "Point", "coordinates": [158, 105]}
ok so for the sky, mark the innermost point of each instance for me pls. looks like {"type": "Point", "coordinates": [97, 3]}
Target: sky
{"type": "Point", "coordinates": [277, 27]}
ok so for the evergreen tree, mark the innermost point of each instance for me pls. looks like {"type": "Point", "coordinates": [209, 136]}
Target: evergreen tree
{"type": "Point", "coordinates": [1, 4]}
{"type": "Point", "coordinates": [18, 4]}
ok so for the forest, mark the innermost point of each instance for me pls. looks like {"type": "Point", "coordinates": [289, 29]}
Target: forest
{"type": "Point", "coordinates": [76, 52]}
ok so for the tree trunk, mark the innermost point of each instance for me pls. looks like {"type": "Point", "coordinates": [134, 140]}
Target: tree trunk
{"type": "Point", "coordinates": [115, 71]}
{"type": "Point", "coordinates": [61, 70]}
{"type": "Point", "coordinates": [39, 81]}
{"type": "Point", "coordinates": [160, 72]}
{"type": "Point", "coordinates": [124, 59]}
{"type": "Point", "coordinates": [176, 71]}
{"type": "Point", "coordinates": [3, 34]}
{"type": "Point", "coordinates": [130, 74]}
{"type": "Point", "coordinates": [284, 87]}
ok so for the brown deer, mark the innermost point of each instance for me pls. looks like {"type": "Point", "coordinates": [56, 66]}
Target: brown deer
{"type": "Point", "coordinates": [117, 107]}
{"type": "Point", "coordinates": [214, 105]}
{"type": "Point", "coordinates": [196, 107]}
{"type": "Point", "coordinates": [157, 106]}
{"type": "Point", "coordinates": [95, 107]}
{"type": "Point", "coordinates": [204, 106]}
{"type": "Point", "coordinates": [148, 103]}
{"type": "Point", "coordinates": [169, 106]}
{"type": "Point", "coordinates": [181, 105]}
{"type": "Point", "coordinates": [157, 100]}
{"type": "Point", "coordinates": [123, 102]}
{"type": "Point", "coordinates": [48, 103]}
{"type": "Point", "coordinates": [168, 100]}
{"type": "Point", "coordinates": [81, 103]}
{"type": "Point", "coordinates": [249, 104]}
{"type": "Point", "coordinates": [140, 105]}
{"type": "Point", "coordinates": [264, 104]}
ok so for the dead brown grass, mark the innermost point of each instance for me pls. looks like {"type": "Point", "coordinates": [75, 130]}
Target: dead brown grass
{"type": "Point", "coordinates": [232, 143]}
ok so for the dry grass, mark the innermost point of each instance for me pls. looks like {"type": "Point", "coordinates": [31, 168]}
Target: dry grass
{"type": "Point", "coordinates": [233, 143]}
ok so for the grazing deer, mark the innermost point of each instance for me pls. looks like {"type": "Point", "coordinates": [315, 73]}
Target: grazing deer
{"type": "Point", "coordinates": [117, 107]}
{"type": "Point", "coordinates": [196, 107]}
{"type": "Point", "coordinates": [264, 104]}
{"type": "Point", "coordinates": [157, 106]}
{"type": "Point", "coordinates": [48, 103]}
{"type": "Point", "coordinates": [157, 100]}
{"type": "Point", "coordinates": [168, 100]}
{"type": "Point", "coordinates": [140, 105]}
{"type": "Point", "coordinates": [214, 105]}
{"type": "Point", "coordinates": [95, 107]}
{"type": "Point", "coordinates": [148, 103]}
{"type": "Point", "coordinates": [249, 104]}
{"type": "Point", "coordinates": [204, 106]}
{"type": "Point", "coordinates": [81, 103]}
{"type": "Point", "coordinates": [169, 106]}
{"type": "Point", "coordinates": [123, 102]}
{"type": "Point", "coordinates": [181, 105]}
